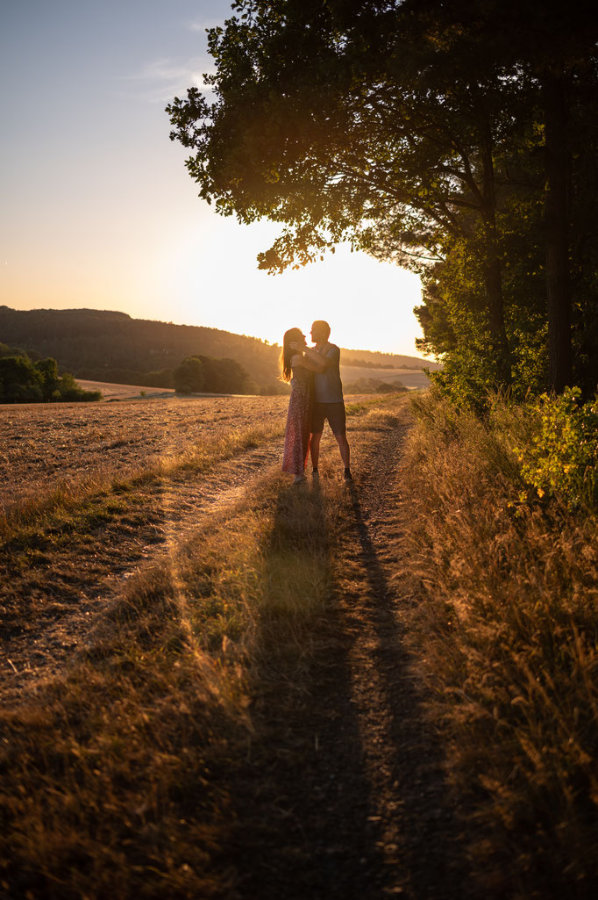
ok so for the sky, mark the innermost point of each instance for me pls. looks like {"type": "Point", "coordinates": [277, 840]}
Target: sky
{"type": "Point", "coordinates": [98, 211]}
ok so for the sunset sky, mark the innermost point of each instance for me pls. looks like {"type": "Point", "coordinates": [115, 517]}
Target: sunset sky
{"type": "Point", "coordinates": [98, 210]}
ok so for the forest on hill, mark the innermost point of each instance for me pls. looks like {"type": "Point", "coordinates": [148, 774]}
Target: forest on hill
{"type": "Point", "coordinates": [103, 345]}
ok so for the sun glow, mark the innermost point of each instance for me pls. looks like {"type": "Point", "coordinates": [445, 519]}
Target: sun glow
{"type": "Point", "coordinates": [211, 278]}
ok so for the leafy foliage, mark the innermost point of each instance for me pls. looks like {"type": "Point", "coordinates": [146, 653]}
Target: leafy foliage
{"type": "Point", "coordinates": [189, 376]}
{"type": "Point", "coordinates": [562, 458]}
{"type": "Point", "coordinates": [221, 376]}
{"type": "Point", "coordinates": [24, 381]}
{"type": "Point", "coordinates": [451, 139]}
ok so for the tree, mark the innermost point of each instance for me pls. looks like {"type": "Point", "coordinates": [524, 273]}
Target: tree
{"type": "Point", "coordinates": [50, 379]}
{"type": "Point", "coordinates": [324, 122]}
{"type": "Point", "coordinates": [24, 381]}
{"type": "Point", "coordinates": [189, 376]}
{"type": "Point", "coordinates": [392, 125]}
{"type": "Point", "coordinates": [20, 381]}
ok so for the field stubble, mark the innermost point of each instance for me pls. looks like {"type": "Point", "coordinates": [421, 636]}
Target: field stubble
{"type": "Point", "coordinates": [67, 542]}
{"type": "Point", "coordinates": [44, 447]}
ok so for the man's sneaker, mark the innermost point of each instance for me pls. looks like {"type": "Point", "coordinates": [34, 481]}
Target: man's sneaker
{"type": "Point", "coordinates": [348, 476]}
{"type": "Point", "coordinates": [315, 474]}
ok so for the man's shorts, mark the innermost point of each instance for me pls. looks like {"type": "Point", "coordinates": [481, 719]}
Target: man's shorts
{"type": "Point", "coordinates": [334, 412]}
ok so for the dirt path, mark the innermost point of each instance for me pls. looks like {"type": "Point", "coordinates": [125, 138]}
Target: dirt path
{"type": "Point", "coordinates": [52, 605]}
{"type": "Point", "coordinates": [345, 795]}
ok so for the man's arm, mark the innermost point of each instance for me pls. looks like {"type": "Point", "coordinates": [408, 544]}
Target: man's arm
{"type": "Point", "coordinates": [318, 359]}
{"type": "Point", "coordinates": [319, 362]}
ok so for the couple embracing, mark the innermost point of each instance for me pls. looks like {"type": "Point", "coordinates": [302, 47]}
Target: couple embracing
{"type": "Point", "coordinates": [316, 396]}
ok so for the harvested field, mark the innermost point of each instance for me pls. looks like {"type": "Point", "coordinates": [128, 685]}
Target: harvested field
{"type": "Point", "coordinates": [42, 445]}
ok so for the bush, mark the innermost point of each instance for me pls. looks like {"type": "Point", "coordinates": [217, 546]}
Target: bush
{"type": "Point", "coordinates": [69, 390]}
{"type": "Point", "coordinates": [562, 457]}
{"type": "Point", "coordinates": [24, 381]}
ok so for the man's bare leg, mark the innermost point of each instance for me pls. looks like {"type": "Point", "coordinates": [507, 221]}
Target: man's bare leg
{"type": "Point", "coordinates": [343, 446]}
{"type": "Point", "coordinates": [314, 448]}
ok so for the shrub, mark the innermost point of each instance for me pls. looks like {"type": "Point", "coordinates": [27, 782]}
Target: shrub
{"type": "Point", "coordinates": [69, 390]}
{"type": "Point", "coordinates": [562, 457]}
{"type": "Point", "coordinates": [20, 380]}
{"type": "Point", "coordinates": [24, 381]}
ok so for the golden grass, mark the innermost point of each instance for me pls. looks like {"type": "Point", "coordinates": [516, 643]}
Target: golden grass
{"type": "Point", "coordinates": [508, 637]}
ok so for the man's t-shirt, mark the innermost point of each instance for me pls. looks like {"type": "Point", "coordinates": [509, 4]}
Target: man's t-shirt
{"type": "Point", "coordinates": [327, 384]}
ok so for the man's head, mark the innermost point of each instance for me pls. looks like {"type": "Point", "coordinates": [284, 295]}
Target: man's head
{"type": "Point", "coordinates": [320, 331]}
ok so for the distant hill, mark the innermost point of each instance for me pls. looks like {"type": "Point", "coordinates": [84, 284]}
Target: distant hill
{"type": "Point", "coordinates": [375, 360]}
{"type": "Point", "coordinates": [102, 345]}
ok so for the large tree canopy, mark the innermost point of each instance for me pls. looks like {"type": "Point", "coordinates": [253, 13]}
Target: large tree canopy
{"type": "Point", "coordinates": [436, 134]}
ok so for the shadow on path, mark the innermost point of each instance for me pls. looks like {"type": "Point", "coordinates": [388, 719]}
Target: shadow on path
{"type": "Point", "coordinates": [302, 795]}
{"type": "Point", "coordinates": [342, 793]}
{"type": "Point", "coordinates": [419, 827]}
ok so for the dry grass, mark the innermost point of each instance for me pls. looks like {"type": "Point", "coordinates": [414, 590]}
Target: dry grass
{"type": "Point", "coordinates": [508, 635]}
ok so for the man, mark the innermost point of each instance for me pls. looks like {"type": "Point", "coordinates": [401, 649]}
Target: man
{"type": "Point", "coordinates": [328, 396]}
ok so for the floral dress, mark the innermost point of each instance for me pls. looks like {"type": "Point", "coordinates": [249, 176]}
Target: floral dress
{"type": "Point", "coordinates": [296, 439]}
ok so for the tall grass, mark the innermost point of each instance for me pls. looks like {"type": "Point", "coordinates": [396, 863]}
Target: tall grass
{"type": "Point", "coordinates": [508, 637]}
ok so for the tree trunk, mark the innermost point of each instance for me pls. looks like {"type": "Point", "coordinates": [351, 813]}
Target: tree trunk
{"type": "Point", "coordinates": [492, 268]}
{"type": "Point", "coordinates": [494, 299]}
{"type": "Point", "coordinates": [556, 222]}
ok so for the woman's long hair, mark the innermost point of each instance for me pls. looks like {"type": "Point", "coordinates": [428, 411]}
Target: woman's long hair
{"type": "Point", "coordinates": [293, 334]}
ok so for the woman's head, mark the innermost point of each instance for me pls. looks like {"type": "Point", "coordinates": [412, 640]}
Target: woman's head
{"type": "Point", "coordinates": [292, 336]}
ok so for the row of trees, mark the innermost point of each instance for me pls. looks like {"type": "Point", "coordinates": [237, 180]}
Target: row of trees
{"type": "Point", "coordinates": [25, 381]}
{"type": "Point", "coordinates": [457, 139]}
{"type": "Point", "coordinates": [220, 376]}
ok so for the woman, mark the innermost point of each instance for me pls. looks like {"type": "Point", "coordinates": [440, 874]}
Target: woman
{"type": "Point", "coordinates": [298, 370]}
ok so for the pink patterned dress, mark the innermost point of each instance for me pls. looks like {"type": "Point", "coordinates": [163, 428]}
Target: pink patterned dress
{"type": "Point", "coordinates": [296, 439]}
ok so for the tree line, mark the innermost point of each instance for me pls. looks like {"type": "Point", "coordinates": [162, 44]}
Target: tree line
{"type": "Point", "coordinates": [23, 380]}
{"type": "Point", "coordinates": [195, 374]}
{"type": "Point", "coordinates": [457, 139]}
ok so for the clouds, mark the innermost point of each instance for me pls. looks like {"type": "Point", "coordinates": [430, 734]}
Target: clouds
{"type": "Point", "coordinates": [161, 79]}
{"type": "Point", "coordinates": [202, 24]}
